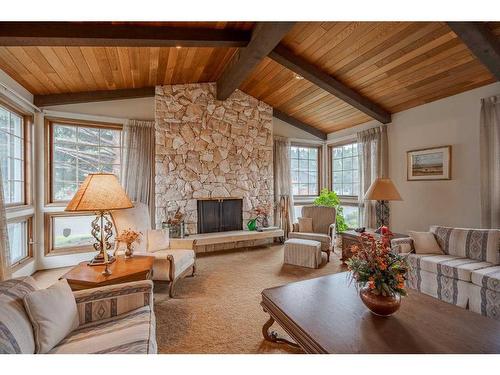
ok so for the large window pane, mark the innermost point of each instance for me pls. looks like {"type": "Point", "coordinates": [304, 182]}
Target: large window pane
{"type": "Point", "coordinates": [351, 216]}
{"type": "Point", "coordinates": [18, 241]}
{"type": "Point", "coordinates": [80, 150]}
{"type": "Point", "coordinates": [12, 156]}
{"type": "Point", "coordinates": [71, 231]}
{"type": "Point", "coordinates": [345, 170]}
{"type": "Point", "coordinates": [305, 161]}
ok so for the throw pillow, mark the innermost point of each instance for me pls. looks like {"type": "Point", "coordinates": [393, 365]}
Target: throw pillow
{"type": "Point", "coordinates": [158, 239]}
{"type": "Point", "coordinates": [53, 314]}
{"type": "Point", "coordinates": [305, 224]}
{"type": "Point", "coordinates": [425, 243]}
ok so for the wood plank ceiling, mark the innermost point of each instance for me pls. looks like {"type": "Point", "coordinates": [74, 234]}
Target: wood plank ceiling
{"type": "Point", "coordinates": [397, 65]}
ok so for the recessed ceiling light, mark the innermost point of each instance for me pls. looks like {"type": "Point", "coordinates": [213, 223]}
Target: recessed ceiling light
{"type": "Point", "coordinates": [298, 77]}
{"type": "Point", "coordinates": [178, 47]}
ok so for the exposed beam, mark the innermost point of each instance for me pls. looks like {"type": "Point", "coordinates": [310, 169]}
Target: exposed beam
{"type": "Point", "coordinates": [297, 64]}
{"type": "Point", "coordinates": [299, 124]}
{"type": "Point", "coordinates": [481, 42]}
{"type": "Point", "coordinates": [92, 96]}
{"type": "Point", "coordinates": [113, 35]}
{"type": "Point", "coordinates": [265, 36]}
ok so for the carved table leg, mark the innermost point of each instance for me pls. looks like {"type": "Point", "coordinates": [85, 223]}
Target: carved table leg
{"type": "Point", "coordinates": [273, 336]}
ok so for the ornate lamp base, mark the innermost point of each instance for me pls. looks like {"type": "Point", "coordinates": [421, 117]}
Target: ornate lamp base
{"type": "Point", "coordinates": [98, 260]}
{"type": "Point", "coordinates": [102, 230]}
{"type": "Point", "coordinates": [382, 212]}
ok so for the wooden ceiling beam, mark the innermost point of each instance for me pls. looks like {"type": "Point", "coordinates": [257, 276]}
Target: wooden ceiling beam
{"type": "Point", "coordinates": [265, 36]}
{"type": "Point", "coordinates": [92, 96]}
{"type": "Point", "coordinates": [297, 64]}
{"type": "Point", "coordinates": [481, 42]}
{"type": "Point", "coordinates": [107, 34]}
{"type": "Point", "coordinates": [299, 124]}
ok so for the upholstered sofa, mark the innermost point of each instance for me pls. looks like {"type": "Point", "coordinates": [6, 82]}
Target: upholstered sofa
{"type": "Point", "coordinates": [113, 319]}
{"type": "Point", "coordinates": [466, 275]}
{"type": "Point", "coordinates": [323, 225]}
{"type": "Point", "coordinates": [173, 262]}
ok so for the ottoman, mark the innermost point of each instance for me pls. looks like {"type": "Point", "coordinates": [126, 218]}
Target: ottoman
{"type": "Point", "coordinates": [305, 253]}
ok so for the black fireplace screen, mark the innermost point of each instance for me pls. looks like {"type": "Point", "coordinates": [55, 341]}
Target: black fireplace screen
{"type": "Point", "coordinates": [220, 215]}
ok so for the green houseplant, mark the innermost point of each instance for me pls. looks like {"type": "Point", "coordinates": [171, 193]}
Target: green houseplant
{"type": "Point", "coordinates": [330, 199]}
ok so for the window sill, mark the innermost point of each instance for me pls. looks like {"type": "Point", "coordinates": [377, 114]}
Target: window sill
{"type": "Point", "coordinates": [21, 264]}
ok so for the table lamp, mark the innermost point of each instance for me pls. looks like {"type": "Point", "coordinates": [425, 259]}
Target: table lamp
{"type": "Point", "coordinates": [382, 190]}
{"type": "Point", "coordinates": [100, 193]}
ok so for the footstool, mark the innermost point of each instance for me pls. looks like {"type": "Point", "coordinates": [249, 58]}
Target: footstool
{"type": "Point", "coordinates": [305, 253]}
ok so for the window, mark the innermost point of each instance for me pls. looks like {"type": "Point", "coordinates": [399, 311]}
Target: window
{"type": "Point", "coordinates": [77, 150]}
{"type": "Point", "coordinates": [345, 170]}
{"type": "Point", "coordinates": [69, 233]}
{"type": "Point", "coordinates": [20, 240]}
{"type": "Point", "coordinates": [12, 156]}
{"type": "Point", "coordinates": [345, 180]}
{"type": "Point", "coordinates": [305, 170]}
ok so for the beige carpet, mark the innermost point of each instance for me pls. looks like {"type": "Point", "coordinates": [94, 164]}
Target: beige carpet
{"type": "Point", "coordinates": [218, 311]}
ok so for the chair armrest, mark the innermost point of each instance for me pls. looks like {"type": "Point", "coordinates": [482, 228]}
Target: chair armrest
{"type": "Point", "coordinates": [111, 300]}
{"type": "Point", "coordinates": [182, 243]}
{"type": "Point", "coordinates": [402, 245]}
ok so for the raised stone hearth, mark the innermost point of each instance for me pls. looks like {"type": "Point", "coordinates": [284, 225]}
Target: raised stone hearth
{"type": "Point", "coordinates": [206, 148]}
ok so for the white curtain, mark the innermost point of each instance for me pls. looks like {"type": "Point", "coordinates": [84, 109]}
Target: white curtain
{"type": "Point", "coordinates": [4, 238]}
{"type": "Point", "coordinates": [283, 184]}
{"type": "Point", "coordinates": [373, 147]}
{"type": "Point", "coordinates": [137, 172]}
{"type": "Point", "coordinates": [489, 134]}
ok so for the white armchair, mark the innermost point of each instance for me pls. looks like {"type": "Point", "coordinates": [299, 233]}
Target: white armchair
{"type": "Point", "coordinates": [176, 261]}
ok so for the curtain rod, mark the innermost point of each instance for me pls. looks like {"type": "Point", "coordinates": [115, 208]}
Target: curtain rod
{"type": "Point", "coordinates": [23, 99]}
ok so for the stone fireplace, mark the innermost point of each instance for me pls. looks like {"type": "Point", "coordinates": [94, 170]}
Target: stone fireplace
{"type": "Point", "coordinates": [206, 149]}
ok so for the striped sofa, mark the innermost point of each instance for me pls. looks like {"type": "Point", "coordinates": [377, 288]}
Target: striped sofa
{"type": "Point", "coordinates": [466, 275]}
{"type": "Point", "coordinates": [113, 319]}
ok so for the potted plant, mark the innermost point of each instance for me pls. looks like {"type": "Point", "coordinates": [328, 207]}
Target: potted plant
{"type": "Point", "coordinates": [330, 199]}
{"type": "Point", "coordinates": [261, 219]}
{"type": "Point", "coordinates": [379, 273]}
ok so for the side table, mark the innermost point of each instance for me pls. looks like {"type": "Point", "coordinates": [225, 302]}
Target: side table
{"type": "Point", "coordinates": [124, 270]}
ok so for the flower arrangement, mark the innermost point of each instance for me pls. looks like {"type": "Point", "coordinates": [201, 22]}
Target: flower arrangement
{"type": "Point", "coordinates": [128, 236]}
{"type": "Point", "coordinates": [261, 218]}
{"type": "Point", "coordinates": [375, 266]}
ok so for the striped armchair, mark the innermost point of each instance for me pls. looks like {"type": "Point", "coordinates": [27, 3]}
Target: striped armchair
{"type": "Point", "coordinates": [323, 223]}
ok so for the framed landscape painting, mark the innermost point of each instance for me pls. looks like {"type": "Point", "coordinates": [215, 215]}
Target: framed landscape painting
{"type": "Point", "coordinates": [429, 164]}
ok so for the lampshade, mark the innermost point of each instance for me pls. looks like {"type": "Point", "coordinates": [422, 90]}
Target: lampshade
{"type": "Point", "coordinates": [382, 189]}
{"type": "Point", "coordinates": [99, 192]}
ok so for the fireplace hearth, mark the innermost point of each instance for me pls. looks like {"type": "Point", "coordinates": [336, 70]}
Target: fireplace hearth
{"type": "Point", "coordinates": [220, 215]}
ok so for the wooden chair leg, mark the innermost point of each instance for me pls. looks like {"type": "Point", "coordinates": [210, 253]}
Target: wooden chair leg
{"type": "Point", "coordinates": [328, 256]}
{"type": "Point", "coordinates": [194, 269]}
{"type": "Point", "coordinates": [171, 291]}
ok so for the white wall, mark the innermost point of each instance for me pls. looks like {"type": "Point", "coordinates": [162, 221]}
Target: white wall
{"type": "Point", "coordinates": [451, 121]}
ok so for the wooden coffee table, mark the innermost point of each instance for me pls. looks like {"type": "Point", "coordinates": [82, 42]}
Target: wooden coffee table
{"type": "Point", "coordinates": [83, 276]}
{"type": "Point", "coordinates": [326, 315]}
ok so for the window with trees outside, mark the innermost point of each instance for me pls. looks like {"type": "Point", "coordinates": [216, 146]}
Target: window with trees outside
{"type": "Point", "coordinates": [20, 240]}
{"type": "Point", "coordinates": [12, 157]}
{"type": "Point", "coordinates": [80, 149]}
{"type": "Point", "coordinates": [305, 170]}
{"type": "Point", "coordinates": [345, 180]}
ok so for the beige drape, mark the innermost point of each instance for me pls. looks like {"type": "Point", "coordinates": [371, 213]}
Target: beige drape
{"type": "Point", "coordinates": [4, 238]}
{"type": "Point", "coordinates": [137, 173]}
{"type": "Point", "coordinates": [283, 184]}
{"type": "Point", "coordinates": [489, 135]}
{"type": "Point", "coordinates": [374, 163]}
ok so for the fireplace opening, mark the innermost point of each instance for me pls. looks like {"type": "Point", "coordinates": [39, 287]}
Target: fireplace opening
{"type": "Point", "coordinates": [220, 215]}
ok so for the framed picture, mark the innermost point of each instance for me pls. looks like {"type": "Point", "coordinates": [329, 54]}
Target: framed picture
{"type": "Point", "coordinates": [429, 164]}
